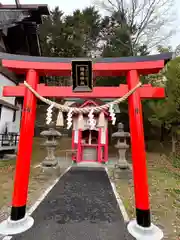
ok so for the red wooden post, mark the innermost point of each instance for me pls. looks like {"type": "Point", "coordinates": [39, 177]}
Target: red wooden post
{"type": "Point", "coordinates": [24, 150]}
{"type": "Point", "coordinates": [79, 146]}
{"type": "Point", "coordinates": [73, 145]}
{"type": "Point", "coordinates": [138, 153]}
{"type": "Point", "coordinates": [106, 147]}
{"type": "Point", "coordinates": [99, 148]}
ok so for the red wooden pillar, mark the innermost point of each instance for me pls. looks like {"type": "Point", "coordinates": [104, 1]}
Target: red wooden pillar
{"type": "Point", "coordinates": [138, 153]}
{"type": "Point", "coordinates": [24, 149]}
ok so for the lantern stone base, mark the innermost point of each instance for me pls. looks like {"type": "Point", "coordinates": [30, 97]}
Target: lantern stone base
{"type": "Point", "coordinates": [141, 233]}
{"type": "Point", "coordinates": [50, 162]}
{"type": "Point", "coordinates": [122, 164]}
{"type": "Point", "coordinates": [119, 173]}
{"type": "Point", "coordinates": [51, 167]}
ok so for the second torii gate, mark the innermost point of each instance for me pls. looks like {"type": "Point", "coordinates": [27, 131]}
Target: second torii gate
{"type": "Point", "coordinates": [132, 68]}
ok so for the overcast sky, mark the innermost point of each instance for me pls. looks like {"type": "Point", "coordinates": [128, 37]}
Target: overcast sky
{"type": "Point", "coordinates": [69, 5]}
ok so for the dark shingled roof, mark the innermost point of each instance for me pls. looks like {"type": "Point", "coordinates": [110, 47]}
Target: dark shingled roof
{"type": "Point", "coordinates": [10, 15]}
{"type": "Point", "coordinates": [8, 105]}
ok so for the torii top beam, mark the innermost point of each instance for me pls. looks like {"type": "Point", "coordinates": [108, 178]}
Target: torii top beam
{"type": "Point", "coordinates": [101, 66]}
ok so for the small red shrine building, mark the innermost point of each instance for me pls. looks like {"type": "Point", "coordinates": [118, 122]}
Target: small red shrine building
{"type": "Point", "coordinates": [90, 145]}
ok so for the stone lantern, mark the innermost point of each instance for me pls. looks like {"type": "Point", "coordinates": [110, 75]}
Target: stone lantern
{"type": "Point", "coordinates": [122, 146]}
{"type": "Point", "coordinates": [51, 136]}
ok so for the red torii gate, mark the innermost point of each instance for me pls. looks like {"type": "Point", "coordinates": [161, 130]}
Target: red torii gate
{"type": "Point", "coordinates": [131, 67]}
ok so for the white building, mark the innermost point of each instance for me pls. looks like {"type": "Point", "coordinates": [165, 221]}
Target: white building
{"type": "Point", "coordinates": [10, 116]}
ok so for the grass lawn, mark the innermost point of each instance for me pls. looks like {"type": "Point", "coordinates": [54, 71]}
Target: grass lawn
{"type": "Point", "coordinates": [164, 184]}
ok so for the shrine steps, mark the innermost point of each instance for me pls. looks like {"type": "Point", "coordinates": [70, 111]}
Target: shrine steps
{"type": "Point", "coordinates": [80, 206]}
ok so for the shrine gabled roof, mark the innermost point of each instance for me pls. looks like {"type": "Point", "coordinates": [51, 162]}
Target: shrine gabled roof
{"type": "Point", "coordinates": [77, 102]}
{"type": "Point", "coordinates": [87, 102]}
{"type": "Point", "coordinates": [80, 100]}
{"type": "Point", "coordinates": [95, 102]}
{"type": "Point", "coordinates": [84, 102]}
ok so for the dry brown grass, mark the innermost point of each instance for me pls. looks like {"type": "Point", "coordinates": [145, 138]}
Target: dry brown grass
{"type": "Point", "coordinates": [164, 184]}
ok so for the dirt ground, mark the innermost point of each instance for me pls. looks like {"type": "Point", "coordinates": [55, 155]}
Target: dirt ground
{"type": "Point", "coordinates": [164, 186]}
{"type": "Point", "coordinates": [39, 180]}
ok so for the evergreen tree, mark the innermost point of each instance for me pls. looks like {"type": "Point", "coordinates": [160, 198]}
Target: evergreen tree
{"type": "Point", "coordinates": [167, 111]}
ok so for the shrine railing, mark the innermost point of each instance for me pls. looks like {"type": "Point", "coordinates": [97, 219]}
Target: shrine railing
{"type": "Point", "coordinates": [9, 140]}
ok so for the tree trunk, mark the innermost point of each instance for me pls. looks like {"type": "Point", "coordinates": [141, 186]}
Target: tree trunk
{"type": "Point", "coordinates": [162, 133]}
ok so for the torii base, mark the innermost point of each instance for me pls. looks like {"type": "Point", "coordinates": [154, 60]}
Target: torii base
{"type": "Point", "coordinates": [141, 233]}
{"type": "Point", "coordinates": [9, 227]}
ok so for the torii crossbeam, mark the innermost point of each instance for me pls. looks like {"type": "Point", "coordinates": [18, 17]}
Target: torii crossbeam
{"type": "Point", "coordinates": [132, 68]}
{"type": "Point", "coordinates": [146, 91]}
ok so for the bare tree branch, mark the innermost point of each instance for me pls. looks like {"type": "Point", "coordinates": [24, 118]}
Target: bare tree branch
{"type": "Point", "coordinates": [154, 19]}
